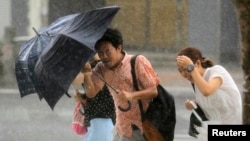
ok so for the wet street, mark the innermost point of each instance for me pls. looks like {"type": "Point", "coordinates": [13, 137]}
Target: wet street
{"type": "Point", "coordinates": [29, 119]}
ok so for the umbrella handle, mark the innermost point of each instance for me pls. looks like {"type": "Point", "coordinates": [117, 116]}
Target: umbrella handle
{"type": "Point", "coordinates": [125, 109]}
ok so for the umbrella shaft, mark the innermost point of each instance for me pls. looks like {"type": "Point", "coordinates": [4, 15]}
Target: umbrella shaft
{"type": "Point", "coordinates": [100, 77]}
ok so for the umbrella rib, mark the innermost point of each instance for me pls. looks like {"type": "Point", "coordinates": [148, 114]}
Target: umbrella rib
{"type": "Point", "coordinates": [35, 31]}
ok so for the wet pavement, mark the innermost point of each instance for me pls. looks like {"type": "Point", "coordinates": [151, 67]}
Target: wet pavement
{"type": "Point", "coordinates": [29, 119]}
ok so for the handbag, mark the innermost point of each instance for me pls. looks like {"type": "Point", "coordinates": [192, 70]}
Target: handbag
{"type": "Point", "coordinates": [159, 120]}
{"type": "Point", "coordinates": [194, 119]}
{"type": "Point", "coordinates": [78, 120]}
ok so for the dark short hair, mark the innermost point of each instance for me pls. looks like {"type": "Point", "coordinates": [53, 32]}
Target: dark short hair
{"type": "Point", "coordinates": [113, 36]}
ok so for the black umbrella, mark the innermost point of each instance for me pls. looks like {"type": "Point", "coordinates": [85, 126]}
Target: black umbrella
{"type": "Point", "coordinates": [68, 52]}
{"type": "Point", "coordinates": [29, 53]}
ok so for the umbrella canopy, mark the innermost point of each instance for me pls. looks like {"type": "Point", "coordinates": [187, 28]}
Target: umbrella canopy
{"type": "Point", "coordinates": [29, 53]}
{"type": "Point", "coordinates": [67, 53]}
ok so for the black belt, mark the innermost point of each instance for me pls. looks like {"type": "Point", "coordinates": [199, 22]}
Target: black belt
{"type": "Point", "coordinates": [134, 127]}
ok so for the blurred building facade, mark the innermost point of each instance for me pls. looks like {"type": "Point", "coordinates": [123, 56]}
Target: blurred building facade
{"type": "Point", "coordinates": [162, 26]}
{"type": "Point", "coordinates": [5, 13]}
{"type": "Point", "coordinates": [158, 25]}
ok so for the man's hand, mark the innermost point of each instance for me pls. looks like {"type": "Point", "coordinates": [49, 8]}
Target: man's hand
{"type": "Point", "coordinates": [124, 95]}
{"type": "Point", "coordinates": [87, 69]}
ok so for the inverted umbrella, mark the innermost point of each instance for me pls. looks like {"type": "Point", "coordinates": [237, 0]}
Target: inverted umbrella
{"type": "Point", "coordinates": [29, 53]}
{"type": "Point", "coordinates": [68, 52]}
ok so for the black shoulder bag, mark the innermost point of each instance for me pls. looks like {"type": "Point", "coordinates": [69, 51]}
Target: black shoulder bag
{"type": "Point", "coordinates": [160, 118]}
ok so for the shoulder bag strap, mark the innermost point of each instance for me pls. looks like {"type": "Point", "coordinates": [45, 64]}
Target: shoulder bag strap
{"type": "Point", "coordinates": [135, 84]}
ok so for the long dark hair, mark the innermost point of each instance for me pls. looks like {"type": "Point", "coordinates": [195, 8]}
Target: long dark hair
{"type": "Point", "coordinates": [195, 54]}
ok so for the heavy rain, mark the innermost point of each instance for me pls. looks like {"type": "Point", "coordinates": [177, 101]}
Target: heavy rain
{"type": "Point", "coordinates": [155, 29]}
